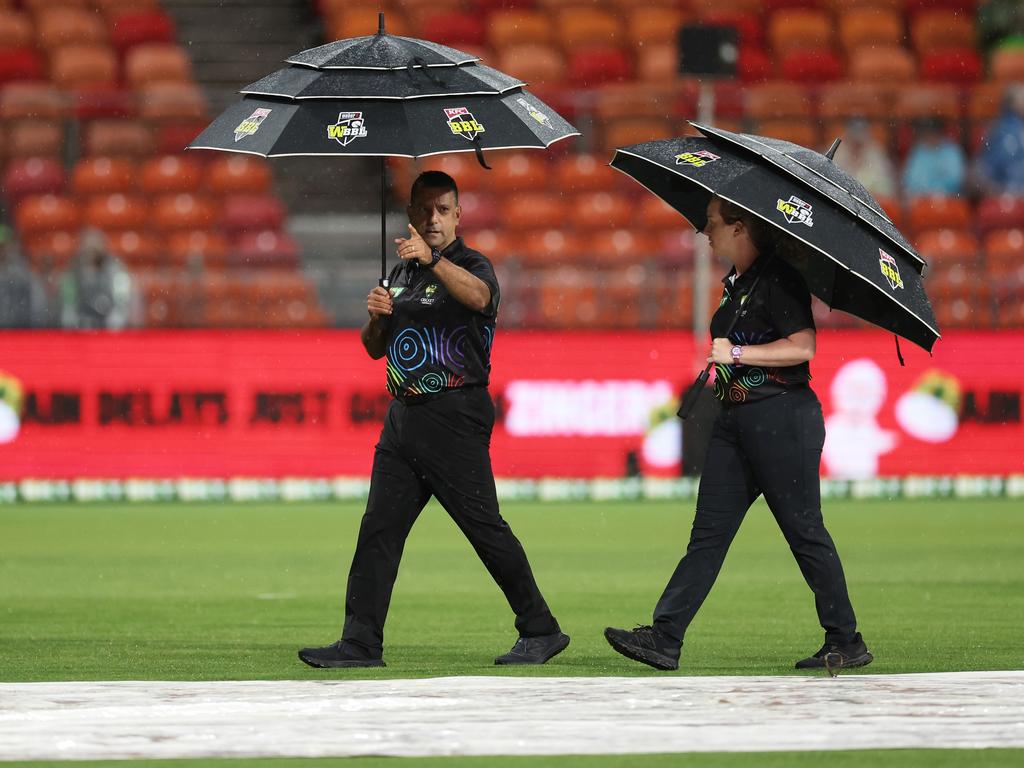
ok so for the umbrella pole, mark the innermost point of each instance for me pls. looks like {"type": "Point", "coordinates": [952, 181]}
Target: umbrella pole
{"type": "Point", "coordinates": [383, 226]}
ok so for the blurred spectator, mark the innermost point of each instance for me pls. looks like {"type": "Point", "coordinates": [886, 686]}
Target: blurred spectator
{"type": "Point", "coordinates": [864, 158]}
{"type": "Point", "coordinates": [22, 299]}
{"type": "Point", "coordinates": [936, 164]}
{"type": "Point", "coordinates": [999, 167]}
{"type": "Point", "coordinates": [97, 291]}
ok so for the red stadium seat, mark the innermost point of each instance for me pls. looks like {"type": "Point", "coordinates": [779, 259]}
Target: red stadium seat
{"type": "Point", "coordinates": [921, 100]}
{"type": "Point", "coordinates": [103, 175]}
{"type": "Point", "coordinates": [939, 246]}
{"type": "Point", "coordinates": [1004, 249]}
{"type": "Point", "coordinates": [456, 29]}
{"type": "Point", "coordinates": [479, 209]}
{"type": "Point", "coordinates": [614, 247]}
{"type": "Point", "coordinates": [117, 211]}
{"type": "Point", "coordinates": [778, 99]}
{"type": "Point", "coordinates": [144, 26]}
{"type": "Point", "coordinates": [843, 100]}
{"type": "Point", "coordinates": [590, 67]}
{"type": "Point", "coordinates": [171, 173]}
{"type": "Point", "coordinates": [46, 212]}
{"type": "Point", "coordinates": [252, 213]}
{"type": "Point", "coordinates": [544, 247]}
{"type": "Point", "coordinates": [175, 136]}
{"type": "Point", "coordinates": [649, 23]}
{"type": "Point", "coordinates": [797, 130]}
{"type": "Point", "coordinates": [747, 25]}
{"type": "Point", "coordinates": [111, 8]}
{"type": "Point", "coordinates": [20, 64]}
{"type": "Point", "coordinates": [655, 214]}
{"type": "Point", "coordinates": [172, 102]}
{"type": "Point", "coordinates": [627, 131]}
{"type": "Point", "coordinates": [938, 212]}
{"type": "Point", "coordinates": [1000, 212]}
{"type": "Point", "coordinates": [954, 65]}
{"type": "Point", "coordinates": [657, 62]}
{"type": "Point", "coordinates": [811, 66]}
{"type": "Point", "coordinates": [265, 249]}
{"type": "Point", "coordinates": [753, 64]}
{"type": "Point", "coordinates": [49, 249]}
{"type": "Point", "coordinates": [940, 29]}
{"type": "Point", "coordinates": [534, 63]}
{"type": "Point", "coordinates": [567, 298]}
{"type": "Point", "coordinates": [32, 176]}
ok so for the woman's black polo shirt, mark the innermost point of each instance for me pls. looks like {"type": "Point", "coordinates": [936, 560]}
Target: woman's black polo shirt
{"type": "Point", "coordinates": [779, 306]}
{"type": "Point", "coordinates": [435, 343]}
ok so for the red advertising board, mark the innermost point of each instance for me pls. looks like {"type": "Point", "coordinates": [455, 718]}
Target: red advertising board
{"type": "Point", "coordinates": [284, 404]}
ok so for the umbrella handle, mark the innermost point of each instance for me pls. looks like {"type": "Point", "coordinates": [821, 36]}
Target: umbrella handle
{"type": "Point", "coordinates": [690, 398]}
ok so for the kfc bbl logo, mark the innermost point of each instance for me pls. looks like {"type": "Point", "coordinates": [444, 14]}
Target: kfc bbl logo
{"type": "Point", "coordinates": [350, 126]}
{"type": "Point", "coordinates": [462, 123]}
{"type": "Point", "coordinates": [697, 159]}
{"type": "Point", "coordinates": [890, 270]}
{"type": "Point", "coordinates": [535, 113]}
{"type": "Point", "coordinates": [251, 124]}
{"type": "Point", "coordinates": [796, 211]}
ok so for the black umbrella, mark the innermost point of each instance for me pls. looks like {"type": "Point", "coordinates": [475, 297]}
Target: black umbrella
{"type": "Point", "coordinates": [851, 255]}
{"type": "Point", "coordinates": [384, 95]}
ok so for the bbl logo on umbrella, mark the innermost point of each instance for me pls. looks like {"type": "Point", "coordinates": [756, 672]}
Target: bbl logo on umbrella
{"type": "Point", "coordinates": [535, 113]}
{"type": "Point", "coordinates": [697, 159]}
{"type": "Point", "coordinates": [796, 211]}
{"type": "Point", "coordinates": [462, 123]}
{"type": "Point", "coordinates": [251, 124]}
{"type": "Point", "coordinates": [350, 126]}
{"type": "Point", "coordinates": [890, 270]}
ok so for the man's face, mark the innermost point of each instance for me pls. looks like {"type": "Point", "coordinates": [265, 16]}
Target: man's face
{"type": "Point", "coordinates": [435, 215]}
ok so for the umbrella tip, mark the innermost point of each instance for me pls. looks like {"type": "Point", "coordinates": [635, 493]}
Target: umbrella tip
{"type": "Point", "coordinates": [380, 23]}
{"type": "Point", "coordinates": [831, 150]}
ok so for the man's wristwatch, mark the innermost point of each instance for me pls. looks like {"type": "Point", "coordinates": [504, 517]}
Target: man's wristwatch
{"type": "Point", "coordinates": [737, 353]}
{"type": "Point", "coordinates": [435, 256]}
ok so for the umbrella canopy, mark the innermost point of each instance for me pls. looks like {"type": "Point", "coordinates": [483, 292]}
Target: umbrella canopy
{"type": "Point", "coordinates": [384, 95]}
{"type": "Point", "coordinates": [851, 260]}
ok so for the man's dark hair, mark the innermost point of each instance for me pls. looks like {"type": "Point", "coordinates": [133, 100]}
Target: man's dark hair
{"type": "Point", "coordinates": [434, 180]}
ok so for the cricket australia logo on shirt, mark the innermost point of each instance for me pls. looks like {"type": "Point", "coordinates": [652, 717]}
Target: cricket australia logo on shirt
{"type": "Point", "coordinates": [350, 126]}
{"type": "Point", "coordinates": [890, 270]}
{"type": "Point", "coordinates": [535, 113]}
{"type": "Point", "coordinates": [462, 123]}
{"type": "Point", "coordinates": [251, 124]}
{"type": "Point", "coordinates": [697, 159]}
{"type": "Point", "coordinates": [796, 211]}
{"type": "Point", "coordinates": [428, 297]}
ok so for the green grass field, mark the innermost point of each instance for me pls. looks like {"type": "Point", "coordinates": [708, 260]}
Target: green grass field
{"type": "Point", "coordinates": [223, 591]}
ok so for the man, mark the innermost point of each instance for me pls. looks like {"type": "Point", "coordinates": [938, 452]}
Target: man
{"type": "Point", "coordinates": [435, 325]}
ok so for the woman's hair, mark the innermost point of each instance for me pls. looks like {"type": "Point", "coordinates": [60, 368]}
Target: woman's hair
{"type": "Point", "coordinates": [766, 238]}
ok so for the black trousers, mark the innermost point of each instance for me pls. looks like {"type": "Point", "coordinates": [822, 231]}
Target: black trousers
{"type": "Point", "coordinates": [771, 446]}
{"type": "Point", "coordinates": [439, 448]}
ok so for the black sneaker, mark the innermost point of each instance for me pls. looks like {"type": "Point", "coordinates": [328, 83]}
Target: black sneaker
{"type": "Point", "coordinates": [339, 654]}
{"type": "Point", "coordinates": [839, 656]}
{"type": "Point", "coordinates": [645, 644]}
{"type": "Point", "coordinates": [535, 650]}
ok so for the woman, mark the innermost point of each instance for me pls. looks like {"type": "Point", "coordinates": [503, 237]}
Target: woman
{"type": "Point", "coordinates": [767, 439]}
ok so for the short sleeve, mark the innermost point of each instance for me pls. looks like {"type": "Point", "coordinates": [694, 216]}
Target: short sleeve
{"type": "Point", "coordinates": [480, 266]}
{"type": "Point", "coordinates": [789, 301]}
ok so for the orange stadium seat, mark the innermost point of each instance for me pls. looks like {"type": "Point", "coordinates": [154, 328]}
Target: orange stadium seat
{"type": "Point", "coordinates": [66, 25]}
{"type": "Point", "coordinates": [655, 214]}
{"type": "Point", "coordinates": [208, 247]}
{"type": "Point", "coordinates": [600, 210]}
{"type": "Point", "coordinates": [241, 173]}
{"type": "Point", "coordinates": [1000, 212]}
{"type": "Point", "coordinates": [81, 64]}
{"type": "Point", "coordinates": [928, 100]}
{"type": "Point", "coordinates": [964, 7]}
{"type": "Point", "coordinates": [136, 248]}
{"type": "Point", "coordinates": [534, 209]}
{"type": "Point", "coordinates": [157, 63]}
{"type": "Point", "coordinates": [168, 102]}
{"type": "Point", "coordinates": [35, 137]}
{"type": "Point", "coordinates": [649, 23]}
{"type": "Point", "coordinates": [519, 170]}
{"type": "Point", "coordinates": [16, 29]}
{"type": "Point", "coordinates": [778, 99]}
{"type": "Point", "coordinates": [95, 175]}
{"type": "Point", "coordinates": [630, 130]}
{"type": "Point", "coordinates": [1005, 248]}
{"type": "Point", "coordinates": [183, 211]}
{"type": "Point", "coordinates": [534, 63]}
{"type": "Point", "coordinates": [171, 173]}
{"type": "Point", "coordinates": [566, 297]}
{"type": "Point", "coordinates": [254, 213]}
{"type": "Point", "coordinates": [620, 246]}
{"type": "Point", "coordinates": [581, 26]}
{"type": "Point", "coordinates": [647, 99]}
{"type": "Point", "coordinates": [799, 29]}
{"type": "Point", "coordinates": [954, 65]}
{"type": "Point", "coordinates": [938, 212]}
{"type": "Point", "coordinates": [543, 247]}
{"type": "Point", "coordinates": [32, 100]}
{"type": "Point", "coordinates": [115, 7]}
{"type": "Point", "coordinates": [883, 64]}
{"type": "Point", "coordinates": [772, 6]}
{"type": "Point", "coordinates": [20, 64]}
{"type": "Point", "coordinates": [47, 212]}
{"type": "Point", "coordinates": [984, 100]}
{"type": "Point", "coordinates": [50, 249]}
{"type": "Point", "coordinates": [870, 25]}
{"type": "Point", "coordinates": [518, 27]}
{"type": "Point", "coordinates": [32, 176]}
{"type": "Point", "coordinates": [657, 62]}
{"type": "Point", "coordinates": [118, 138]}
{"type": "Point", "coordinates": [947, 246]}
{"type": "Point", "coordinates": [941, 29]}
{"type": "Point", "coordinates": [1007, 64]}
{"type": "Point", "coordinates": [35, 6]}
{"type": "Point", "coordinates": [627, 6]}
{"type": "Point", "coordinates": [585, 173]}
{"type": "Point", "coordinates": [843, 100]}
{"type": "Point", "coordinates": [117, 211]}
{"type": "Point", "coordinates": [797, 130]}
{"type": "Point", "coordinates": [362, 20]}
{"type": "Point", "coordinates": [144, 26]}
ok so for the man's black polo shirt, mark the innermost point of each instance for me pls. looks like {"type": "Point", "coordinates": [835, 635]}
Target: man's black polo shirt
{"type": "Point", "coordinates": [435, 343]}
{"type": "Point", "coordinates": [779, 306]}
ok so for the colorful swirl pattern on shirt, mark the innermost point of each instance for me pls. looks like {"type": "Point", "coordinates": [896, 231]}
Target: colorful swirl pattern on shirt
{"type": "Point", "coordinates": [426, 360]}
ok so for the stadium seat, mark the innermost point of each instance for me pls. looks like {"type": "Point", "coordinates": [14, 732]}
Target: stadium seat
{"type": "Point", "coordinates": [30, 99]}
{"type": "Point", "coordinates": [600, 210]}
{"type": "Point", "coordinates": [78, 65]}
{"type": "Point", "coordinates": [252, 213]}
{"type": "Point", "coordinates": [545, 247]}
{"type": "Point", "coordinates": [630, 130]}
{"type": "Point", "coordinates": [938, 29]}
{"type": "Point", "coordinates": [518, 27]}
{"type": "Point", "coordinates": [797, 130]}
{"type": "Point", "coordinates": [653, 213]}
{"type": "Point", "coordinates": [748, 26]}
{"type": "Point", "coordinates": [168, 103]}
{"type": "Point", "coordinates": [1000, 212]}
{"type": "Point", "coordinates": [534, 63]}
{"type": "Point", "coordinates": [32, 176]}
{"type": "Point", "coordinates": [157, 63]}
{"type": "Point", "coordinates": [362, 20]}
{"type": "Point", "coordinates": [753, 65]}
{"type": "Point", "coordinates": [455, 28]}
{"type": "Point", "coordinates": [264, 249]}
{"type": "Point", "coordinates": [590, 67]}
{"type": "Point", "coordinates": [103, 175]}
{"type": "Point", "coordinates": [144, 26]}
{"type": "Point", "coordinates": [66, 25]}
{"type": "Point", "coordinates": [102, 100]}
{"type": "Point", "coordinates": [963, 7]}
{"type": "Point", "coordinates": [479, 208]}
{"type": "Point", "coordinates": [586, 27]}
{"type": "Point", "coordinates": [1007, 64]}
{"type": "Point", "coordinates": [621, 246]}
{"type": "Point", "coordinates": [534, 210]}
{"type": "Point", "coordinates": [111, 8]}
{"type": "Point", "coordinates": [566, 297]}
{"type": "Point", "coordinates": [175, 136]}
{"type": "Point", "coordinates": [772, 6]}
{"type": "Point", "coordinates": [50, 249]}
{"type": "Point", "coordinates": [811, 66]}
{"type": "Point", "coordinates": [984, 100]}
{"type": "Point", "coordinates": [35, 6]}
{"type": "Point", "coordinates": [117, 211]}
{"type": "Point", "coordinates": [171, 173]}
{"type": "Point", "coordinates": [38, 213]}
{"type": "Point", "coordinates": [778, 98]}
{"type": "Point", "coordinates": [244, 173]}
{"type": "Point", "coordinates": [648, 23]}
{"type": "Point", "coordinates": [870, 25]}
{"type": "Point", "coordinates": [20, 64]}
{"type": "Point", "coordinates": [795, 29]}
{"type": "Point", "coordinates": [928, 100]}
{"type": "Point", "coordinates": [633, 99]}
{"type": "Point", "coordinates": [843, 100]}
{"type": "Point", "coordinates": [948, 246]}
{"type": "Point", "coordinates": [183, 211]}
{"type": "Point", "coordinates": [35, 137]}
{"type": "Point", "coordinates": [118, 138]}
{"type": "Point", "coordinates": [954, 65]}
{"type": "Point", "coordinates": [1004, 248]}
{"type": "Point", "coordinates": [585, 173]}
{"type": "Point", "coordinates": [519, 170]}
{"type": "Point", "coordinates": [136, 248]}
{"type": "Point", "coordinates": [938, 212]}
{"type": "Point", "coordinates": [657, 63]}
{"type": "Point", "coordinates": [882, 64]}
{"type": "Point", "coordinates": [195, 247]}
{"type": "Point", "coordinates": [16, 30]}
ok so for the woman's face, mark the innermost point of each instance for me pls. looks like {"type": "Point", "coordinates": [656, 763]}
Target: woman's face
{"type": "Point", "coordinates": [720, 235]}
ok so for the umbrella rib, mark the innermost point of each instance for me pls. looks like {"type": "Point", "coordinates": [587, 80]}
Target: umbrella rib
{"type": "Point", "coordinates": [370, 97]}
{"type": "Point", "coordinates": [909, 311]}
